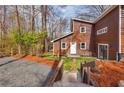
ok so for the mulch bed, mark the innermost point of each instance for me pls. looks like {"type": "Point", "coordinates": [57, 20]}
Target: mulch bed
{"type": "Point", "coordinates": [29, 58]}
{"type": "Point", "coordinates": [111, 72]}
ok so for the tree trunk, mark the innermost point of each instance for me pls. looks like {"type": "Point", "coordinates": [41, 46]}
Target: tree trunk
{"type": "Point", "coordinates": [32, 18]}
{"type": "Point", "coordinates": [17, 25]}
{"type": "Point", "coordinates": [44, 11]}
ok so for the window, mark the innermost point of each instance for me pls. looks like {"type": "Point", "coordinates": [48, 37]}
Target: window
{"type": "Point", "coordinates": [82, 29]}
{"type": "Point", "coordinates": [102, 31]}
{"type": "Point", "coordinates": [83, 45]}
{"type": "Point", "coordinates": [63, 45]}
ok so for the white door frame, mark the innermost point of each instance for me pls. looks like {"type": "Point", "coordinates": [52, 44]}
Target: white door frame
{"type": "Point", "coordinates": [107, 49]}
{"type": "Point", "coordinates": [75, 47]}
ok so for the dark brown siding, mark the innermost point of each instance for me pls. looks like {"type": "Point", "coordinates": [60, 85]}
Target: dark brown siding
{"type": "Point", "coordinates": [111, 20]}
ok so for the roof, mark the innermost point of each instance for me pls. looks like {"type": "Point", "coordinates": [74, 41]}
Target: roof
{"type": "Point", "coordinates": [99, 17]}
{"type": "Point", "coordinates": [62, 37]}
{"type": "Point", "coordinates": [77, 19]}
{"type": "Point", "coordinates": [105, 13]}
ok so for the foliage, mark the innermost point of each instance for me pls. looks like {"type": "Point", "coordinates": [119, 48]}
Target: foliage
{"type": "Point", "coordinates": [26, 40]}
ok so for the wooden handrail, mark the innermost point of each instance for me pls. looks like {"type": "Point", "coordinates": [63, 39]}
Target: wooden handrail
{"type": "Point", "coordinates": [57, 75]}
{"type": "Point", "coordinates": [85, 71]}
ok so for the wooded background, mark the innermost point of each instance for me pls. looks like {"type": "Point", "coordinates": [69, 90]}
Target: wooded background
{"type": "Point", "coordinates": [29, 29]}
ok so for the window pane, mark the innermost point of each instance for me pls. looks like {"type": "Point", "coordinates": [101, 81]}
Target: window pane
{"type": "Point", "coordinates": [63, 45]}
{"type": "Point", "coordinates": [82, 45]}
{"type": "Point", "coordinates": [82, 29]}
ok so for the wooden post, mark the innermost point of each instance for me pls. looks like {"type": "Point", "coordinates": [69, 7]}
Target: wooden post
{"type": "Point", "coordinates": [88, 75]}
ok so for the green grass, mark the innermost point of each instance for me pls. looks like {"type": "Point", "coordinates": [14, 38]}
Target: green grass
{"type": "Point", "coordinates": [68, 61]}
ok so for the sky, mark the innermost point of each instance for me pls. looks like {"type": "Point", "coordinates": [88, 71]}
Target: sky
{"type": "Point", "coordinates": [71, 11]}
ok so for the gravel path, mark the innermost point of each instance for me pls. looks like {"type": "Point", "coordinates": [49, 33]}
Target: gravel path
{"type": "Point", "coordinates": [20, 73]}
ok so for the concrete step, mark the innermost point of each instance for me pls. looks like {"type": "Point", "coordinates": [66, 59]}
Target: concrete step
{"type": "Point", "coordinates": [73, 56]}
{"type": "Point", "coordinates": [70, 79]}
{"type": "Point", "coordinates": [70, 84]}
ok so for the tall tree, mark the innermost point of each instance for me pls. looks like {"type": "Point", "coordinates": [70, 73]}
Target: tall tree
{"type": "Point", "coordinates": [44, 12]}
{"type": "Point", "coordinates": [17, 17]}
{"type": "Point", "coordinates": [18, 26]}
{"type": "Point", "coordinates": [32, 18]}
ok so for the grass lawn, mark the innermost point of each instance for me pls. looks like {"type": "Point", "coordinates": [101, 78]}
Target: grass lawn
{"type": "Point", "coordinates": [68, 61]}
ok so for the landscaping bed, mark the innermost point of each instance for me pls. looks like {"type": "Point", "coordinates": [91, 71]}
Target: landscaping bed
{"type": "Point", "coordinates": [51, 60]}
{"type": "Point", "coordinates": [41, 60]}
{"type": "Point", "coordinates": [109, 73]}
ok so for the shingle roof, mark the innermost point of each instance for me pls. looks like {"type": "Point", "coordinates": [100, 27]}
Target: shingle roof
{"type": "Point", "coordinates": [62, 37]}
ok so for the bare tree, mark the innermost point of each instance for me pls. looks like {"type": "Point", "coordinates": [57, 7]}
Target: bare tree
{"type": "Point", "coordinates": [93, 12]}
{"type": "Point", "coordinates": [17, 25]}
{"type": "Point", "coordinates": [98, 9]}
{"type": "Point", "coordinates": [32, 18]}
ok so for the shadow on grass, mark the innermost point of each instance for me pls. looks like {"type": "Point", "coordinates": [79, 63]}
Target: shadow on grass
{"type": "Point", "coordinates": [11, 61]}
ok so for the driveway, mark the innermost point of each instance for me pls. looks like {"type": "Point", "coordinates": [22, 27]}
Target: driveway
{"type": "Point", "coordinates": [21, 73]}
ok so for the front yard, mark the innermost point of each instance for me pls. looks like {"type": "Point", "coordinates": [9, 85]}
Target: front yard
{"type": "Point", "coordinates": [68, 65]}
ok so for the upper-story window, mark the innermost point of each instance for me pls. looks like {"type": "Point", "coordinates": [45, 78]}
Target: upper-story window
{"type": "Point", "coordinates": [63, 45]}
{"type": "Point", "coordinates": [83, 29]}
{"type": "Point", "coordinates": [83, 45]}
{"type": "Point", "coordinates": [102, 31]}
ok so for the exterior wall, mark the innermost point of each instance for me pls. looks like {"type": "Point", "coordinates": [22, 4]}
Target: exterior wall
{"type": "Point", "coordinates": [111, 20]}
{"type": "Point", "coordinates": [87, 37]}
{"type": "Point", "coordinates": [56, 46]}
{"type": "Point", "coordinates": [122, 29]}
{"type": "Point", "coordinates": [77, 37]}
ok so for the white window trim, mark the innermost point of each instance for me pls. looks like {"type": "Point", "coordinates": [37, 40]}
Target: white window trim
{"type": "Point", "coordinates": [65, 45]}
{"type": "Point", "coordinates": [85, 46]}
{"type": "Point", "coordinates": [102, 31]}
{"type": "Point", "coordinates": [84, 29]}
{"type": "Point", "coordinates": [107, 49]}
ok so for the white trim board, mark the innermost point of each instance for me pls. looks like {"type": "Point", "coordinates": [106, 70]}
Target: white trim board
{"type": "Point", "coordinates": [107, 49]}
{"type": "Point", "coordinates": [119, 29]}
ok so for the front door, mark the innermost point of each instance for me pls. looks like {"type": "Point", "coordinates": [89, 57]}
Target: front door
{"type": "Point", "coordinates": [103, 51]}
{"type": "Point", "coordinates": [73, 48]}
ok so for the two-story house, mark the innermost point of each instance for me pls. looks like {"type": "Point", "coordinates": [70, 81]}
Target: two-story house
{"type": "Point", "coordinates": [103, 38]}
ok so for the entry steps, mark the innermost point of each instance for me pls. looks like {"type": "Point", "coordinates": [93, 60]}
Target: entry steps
{"type": "Point", "coordinates": [73, 56]}
{"type": "Point", "coordinates": [70, 79]}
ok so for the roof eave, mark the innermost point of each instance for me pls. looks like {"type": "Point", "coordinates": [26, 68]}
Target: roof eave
{"type": "Point", "coordinates": [77, 19]}
{"type": "Point", "coordinates": [105, 13]}
{"type": "Point", "coordinates": [61, 37]}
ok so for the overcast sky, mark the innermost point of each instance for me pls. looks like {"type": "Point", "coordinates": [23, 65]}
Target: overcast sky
{"type": "Point", "coordinates": [71, 11]}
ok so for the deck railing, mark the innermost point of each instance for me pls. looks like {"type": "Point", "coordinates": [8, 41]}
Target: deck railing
{"type": "Point", "coordinates": [85, 70]}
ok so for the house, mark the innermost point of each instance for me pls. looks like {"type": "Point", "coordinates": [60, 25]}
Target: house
{"type": "Point", "coordinates": [102, 38]}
